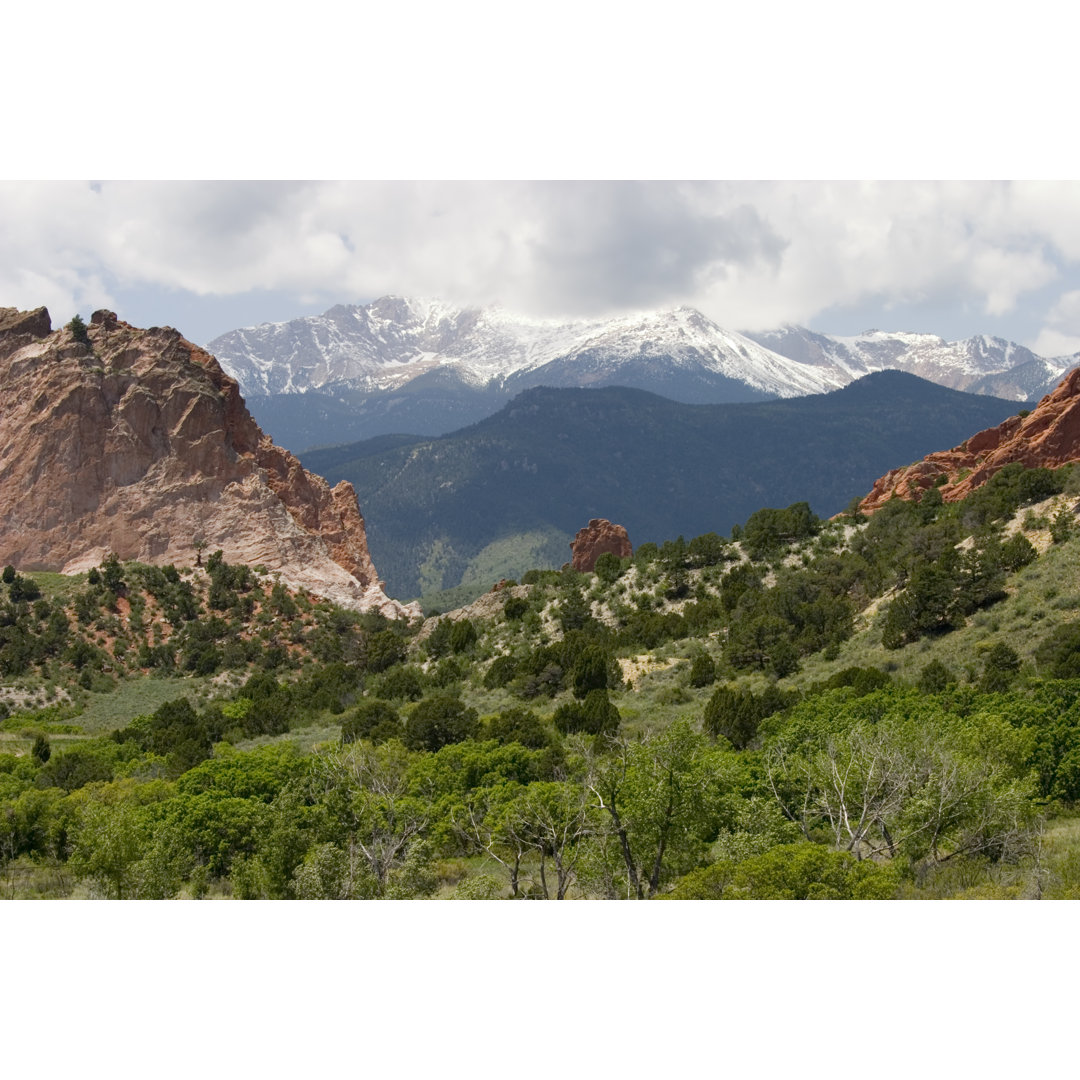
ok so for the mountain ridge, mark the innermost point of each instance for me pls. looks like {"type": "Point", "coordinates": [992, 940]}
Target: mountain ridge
{"type": "Point", "coordinates": [556, 457]}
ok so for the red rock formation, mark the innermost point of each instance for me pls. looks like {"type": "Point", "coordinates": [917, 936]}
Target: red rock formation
{"type": "Point", "coordinates": [1049, 436]}
{"type": "Point", "coordinates": [598, 537]}
{"type": "Point", "coordinates": [138, 443]}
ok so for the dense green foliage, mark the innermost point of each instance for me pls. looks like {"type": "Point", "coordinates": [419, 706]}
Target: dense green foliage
{"type": "Point", "coordinates": [742, 717]}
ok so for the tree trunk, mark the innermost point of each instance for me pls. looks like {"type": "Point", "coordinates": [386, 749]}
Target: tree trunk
{"type": "Point", "coordinates": [654, 877]}
{"type": "Point", "coordinates": [624, 843]}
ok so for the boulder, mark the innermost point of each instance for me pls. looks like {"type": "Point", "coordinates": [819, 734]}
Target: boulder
{"type": "Point", "coordinates": [597, 538]}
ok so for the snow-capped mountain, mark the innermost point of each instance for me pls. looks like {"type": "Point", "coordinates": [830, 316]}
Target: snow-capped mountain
{"type": "Point", "coordinates": [427, 367]}
{"type": "Point", "coordinates": [393, 340]}
{"type": "Point", "coordinates": [980, 364]}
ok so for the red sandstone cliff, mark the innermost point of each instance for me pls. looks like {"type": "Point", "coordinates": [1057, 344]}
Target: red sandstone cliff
{"type": "Point", "coordinates": [1049, 436]}
{"type": "Point", "coordinates": [598, 537]}
{"type": "Point", "coordinates": [137, 442]}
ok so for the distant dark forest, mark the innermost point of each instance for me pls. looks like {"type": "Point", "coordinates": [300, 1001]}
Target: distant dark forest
{"type": "Point", "coordinates": [554, 458]}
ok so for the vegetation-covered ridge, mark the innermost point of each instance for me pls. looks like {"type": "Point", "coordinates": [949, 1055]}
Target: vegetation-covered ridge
{"type": "Point", "coordinates": [861, 708]}
{"type": "Point", "coordinates": [510, 492]}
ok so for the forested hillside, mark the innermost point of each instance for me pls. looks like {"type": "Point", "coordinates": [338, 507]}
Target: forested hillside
{"type": "Point", "coordinates": [863, 708]}
{"type": "Point", "coordinates": [509, 493]}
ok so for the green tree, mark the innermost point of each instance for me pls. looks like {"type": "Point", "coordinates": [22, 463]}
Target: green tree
{"type": "Point", "coordinates": [736, 715]}
{"type": "Point", "coordinates": [41, 751]}
{"type": "Point", "coordinates": [609, 567]}
{"type": "Point", "coordinates": [590, 670]}
{"type": "Point", "coordinates": [1058, 654]}
{"type": "Point", "coordinates": [518, 725]}
{"type": "Point", "coordinates": [1062, 525]}
{"type": "Point", "coordinates": [365, 791]}
{"type": "Point", "coordinates": [552, 819]}
{"type": "Point", "coordinates": [438, 721]}
{"type": "Point", "coordinates": [108, 844]}
{"type": "Point", "coordinates": [894, 773]}
{"type": "Point", "coordinates": [659, 799]}
{"type": "Point", "coordinates": [383, 650]}
{"type": "Point", "coordinates": [78, 330]}
{"type": "Point", "coordinates": [372, 719]}
{"type": "Point", "coordinates": [1000, 668]}
{"type": "Point", "coordinates": [462, 636]}
{"type": "Point", "coordinates": [1017, 552]}
{"type": "Point", "coordinates": [935, 677]}
{"type": "Point", "coordinates": [702, 670]}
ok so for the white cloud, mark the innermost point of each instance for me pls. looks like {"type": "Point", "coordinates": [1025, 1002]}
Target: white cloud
{"type": "Point", "coordinates": [749, 254]}
{"type": "Point", "coordinates": [1060, 336]}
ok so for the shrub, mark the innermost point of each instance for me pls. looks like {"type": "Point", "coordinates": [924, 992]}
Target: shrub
{"type": "Point", "coordinates": [596, 715]}
{"type": "Point", "coordinates": [999, 668]}
{"type": "Point", "coordinates": [383, 650]}
{"type": "Point", "coordinates": [935, 677]}
{"type": "Point", "coordinates": [462, 636]}
{"type": "Point", "coordinates": [515, 608]}
{"type": "Point", "coordinates": [78, 330]}
{"type": "Point", "coordinates": [608, 568]}
{"type": "Point", "coordinates": [438, 721]}
{"type": "Point", "coordinates": [372, 719]}
{"type": "Point", "coordinates": [520, 726]}
{"type": "Point", "coordinates": [1059, 653]}
{"type": "Point", "coordinates": [403, 683]}
{"type": "Point", "coordinates": [802, 871]}
{"type": "Point", "coordinates": [590, 671]}
{"type": "Point", "coordinates": [702, 670]}
{"type": "Point", "coordinates": [501, 672]}
{"type": "Point", "coordinates": [736, 714]}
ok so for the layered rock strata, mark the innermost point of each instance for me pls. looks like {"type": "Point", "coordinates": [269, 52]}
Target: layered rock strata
{"type": "Point", "coordinates": [596, 539]}
{"type": "Point", "coordinates": [1049, 436]}
{"type": "Point", "coordinates": [136, 442]}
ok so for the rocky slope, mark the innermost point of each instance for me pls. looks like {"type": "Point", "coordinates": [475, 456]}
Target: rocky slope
{"type": "Point", "coordinates": [136, 442]}
{"type": "Point", "coordinates": [1049, 436]}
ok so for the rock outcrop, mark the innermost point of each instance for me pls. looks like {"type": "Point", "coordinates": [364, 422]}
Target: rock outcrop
{"type": "Point", "coordinates": [136, 442]}
{"type": "Point", "coordinates": [597, 538]}
{"type": "Point", "coordinates": [1049, 436]}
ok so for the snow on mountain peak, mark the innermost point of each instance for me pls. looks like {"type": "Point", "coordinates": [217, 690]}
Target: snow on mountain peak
{"type": "Point", "coordinates": [388, 342]}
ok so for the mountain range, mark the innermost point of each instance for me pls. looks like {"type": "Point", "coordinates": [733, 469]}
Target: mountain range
{"type": "Point", "coordinates": [427, 367]}
{"type": "Point", "coordinates": [509, 492]}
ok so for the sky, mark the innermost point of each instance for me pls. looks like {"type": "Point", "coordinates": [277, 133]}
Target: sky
{"type": "Point", "coordinates": [954, 258]}
{"type": "Point", "coordinates": [847, 168]}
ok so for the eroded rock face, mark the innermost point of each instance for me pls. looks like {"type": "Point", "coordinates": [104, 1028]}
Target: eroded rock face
{"type": "Point", "coordinates": [597, 538]}
{"type": "Point", "coordinates": [1048, 437]}
{"type": "Point", "coordinates": [138, 443]}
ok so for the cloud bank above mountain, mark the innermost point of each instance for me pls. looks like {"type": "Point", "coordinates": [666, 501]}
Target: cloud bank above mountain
{"type": "Point", "coordinates": [749, 255]}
